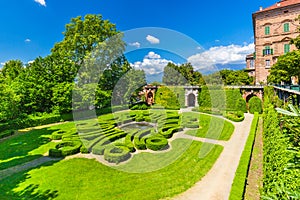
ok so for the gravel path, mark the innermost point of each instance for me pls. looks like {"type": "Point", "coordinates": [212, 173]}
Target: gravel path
{"type": "Point", "coordinates": [216, 184]}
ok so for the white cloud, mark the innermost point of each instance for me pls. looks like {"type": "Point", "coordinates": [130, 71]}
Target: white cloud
{"type": "Point", "coordinates": [41, 2]}
{"type": "Point", "coordinates": [152, 39]}
{"type": "Point", "coordinates": [2, 63]}
{"type": "Point", "coordinates": [135, 44]}
{"type": "Point", "coordinates": [27, 40]}
{"type": "Point", "coordinates": [30, 62]}
{"type": "Point", "coordinates": [232, 54]}
{"type": "Point", "coordinates": [152, 63]}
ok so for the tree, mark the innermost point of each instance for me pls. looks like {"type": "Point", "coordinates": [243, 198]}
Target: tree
{"type": "Point", "coordinates": [83, 35]}
{"type": "Point", "coordinates": [11, 70]}
{"type": "Point", "coordinates": [286, 66]}
{"type": "Point", "coordinates": [255, 105]}
{"type": "Point", "coordinates": [181, 75]}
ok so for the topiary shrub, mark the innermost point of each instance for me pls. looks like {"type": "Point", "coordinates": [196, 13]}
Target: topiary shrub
{"type": "Point", "coordinates": [241, 105]}
{"type": "Point", "coordinates": [116, 154]}
{"type": "Point", "coordinates": [65, 148]}
{"type": "Point", "coordinates": [255, 105]}
{"type": "Point", "coordinates": [156, 143]}
{"type": "Point", "coordinates": [57, 135]}
{"type": "Point", "coordinates": [236, 116]}
{"type": "Point", "coordinates": [84, 150]}
{"type": "Point", "coordinates": [56, 153]}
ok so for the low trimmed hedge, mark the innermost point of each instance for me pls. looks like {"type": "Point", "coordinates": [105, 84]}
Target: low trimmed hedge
{"type": "Point", "coordinates": [240, 179]}
{"type": "Point", "coordinates": [156, 143]}
{"type": "Point", "coordinates": [57, 135]}
{"type": "Point", "coordinates": [65, 148]}
{"type": "Point", "coordinates": [6, 133]}
{"type": "Point", "coordinates": [236, 116]}
{"type": "Point", "coordinates": [116, 154]}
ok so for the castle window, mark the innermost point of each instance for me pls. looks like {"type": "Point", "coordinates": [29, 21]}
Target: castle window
{"type": "Point", "coordinates": [251, 64]}
{"type": "Point", "coordinates": [267, 51]}
{"type": "Point", "coordinates": [267, 30]}
{"type": "Point", "coordinates": [286, 27]}
{"type": "Point", "coordinates": [268, 63]}
{"type": "Point", "coordinates": [286, 48]}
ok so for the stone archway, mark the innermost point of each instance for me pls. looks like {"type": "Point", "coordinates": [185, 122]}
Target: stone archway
{"type": "Point", "coordinates": [191, 96]}
{"type": "Point", "coordinates": [249, 96]}
{"type": "Point", "coordinates": [191, 100]}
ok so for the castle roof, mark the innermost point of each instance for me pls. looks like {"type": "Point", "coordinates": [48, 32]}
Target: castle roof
{"type": "Point", "coordinates": [280, 4]}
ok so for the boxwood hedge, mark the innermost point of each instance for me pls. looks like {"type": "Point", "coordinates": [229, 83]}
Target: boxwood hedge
{"type": "Point", "coordinates": [156, 143]}
{"type": "Point", "coordinates": [116, 154]}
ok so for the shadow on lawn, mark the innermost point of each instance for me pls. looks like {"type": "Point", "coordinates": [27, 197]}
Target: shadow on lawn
{"type": "Point", "coordinates": [32, 191]}
{"type": "Point", "coordinates": [16, 150]}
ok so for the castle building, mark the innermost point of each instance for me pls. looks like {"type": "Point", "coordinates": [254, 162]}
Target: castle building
{"type": "Point", "coordinates": [274, 27]}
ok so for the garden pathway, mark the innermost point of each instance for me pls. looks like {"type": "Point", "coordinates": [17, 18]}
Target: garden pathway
{"type": "Point", "coordinates": [216, 184]}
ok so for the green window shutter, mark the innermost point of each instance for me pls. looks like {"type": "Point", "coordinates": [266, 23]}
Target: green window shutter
{"type": "Point", "coordinates": [271, 51]}
{"type": "Point", "coordinates": [264, 52]}
{"type": "Point", "coordinates": [286, 27]}
{"type": "Point", "coordinates": [267, 30]}
{"type": "Point", "coordinates": [286, 48]}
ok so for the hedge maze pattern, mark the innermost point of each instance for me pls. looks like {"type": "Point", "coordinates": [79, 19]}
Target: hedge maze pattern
{"type": "Point", "coordinates": [103, 136]}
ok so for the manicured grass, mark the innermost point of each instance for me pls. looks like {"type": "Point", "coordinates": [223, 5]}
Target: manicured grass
{"type": "Point", "coordinates": [89, 179]}
{"type": "Point", "coordinates": [238, 185]}
{"type": "Point", "coordinates": [28, 146]}
{"type": "Point", "coordinates": [210, 127]}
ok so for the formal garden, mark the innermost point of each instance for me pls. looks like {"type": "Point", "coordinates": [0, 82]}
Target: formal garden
{"type": "Point", "coordinates": [150, 146]}
{"type": "Point", "coordinates": [132, 150]}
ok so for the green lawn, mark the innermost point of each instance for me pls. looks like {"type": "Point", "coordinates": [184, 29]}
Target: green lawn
{"type": "Point", "coordinates": [89, 179]}
{"type": "Point", "coordinates": [28, 146]}
{"type": "Point", "coordinates": [210, 127]}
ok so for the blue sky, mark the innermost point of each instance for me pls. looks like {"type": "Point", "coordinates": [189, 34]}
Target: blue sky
{"type": "Point", "coordinates": [223, 29]}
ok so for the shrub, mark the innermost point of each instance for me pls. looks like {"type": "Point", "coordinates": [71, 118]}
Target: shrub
{"type": "Point", "coordinates": [241, 105]}
{"type": "Point", "coordinates": [6, 133]}
{"type": "Point", "coordinates": [99, 149]}
{"type": "Point", "coordinates": [166, 97]}
{"type": "Point", "coordinates": [116, 154]}
{"type": "Point", "coordinates": [128, 143]}
{"type": "Point", "coordinates": [65, 148]}
{"type": "Point", "coordinates": [57, 135]}
{"type": "Point", "coordinates": [255, 105]}
{"type": "Point", "coordinates": [238, 185]}
{"type": "Point", "coordinates": [84, 150]}
{"type": "Point", "coordinates": [156, 143]}
{"type": "Point", "coordinates": [140, 106]}
{"type": "Point", "coordinates": [236, 116]}
{"type": "Point", "coordinates": [56, 153]}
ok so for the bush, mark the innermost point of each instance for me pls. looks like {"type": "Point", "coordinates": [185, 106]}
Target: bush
{"type": "Point", "coordinates": [6, 133]}
{"type": "Point", "coordinates": [156, 143]}
{"type": "Point", "coordinates": [116, 154]}
{"type": "Point", "coordinates": [140, 106]}
{"type": "Point", "coordinates": [65, 148]}
{"type": "Point", "coordinates": [255, 105]}
{"type": "Point", "coordinates": [128, 143]}
{"type": "Point", "coordinates": [236, 116]}
{"type": "Point", "coordinates": [99, 149]}
{"type": "Point", "coordinates": [57, 135]}
{"type": "Point", "coordinates": [56, 153]}
{"type": "Point", "coordinates": [166, 97]}
{"type": "Point", "coordinates": [238, 185]}
{"type": "Point", "coordinates": [241, 105]}
{"type": "Point", "coordinates": [84, 150]}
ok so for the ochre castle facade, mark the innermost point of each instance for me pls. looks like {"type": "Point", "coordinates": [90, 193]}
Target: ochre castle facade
{"type": "Point", "coordinates": [274, 27]}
